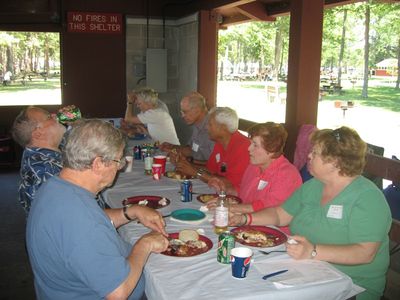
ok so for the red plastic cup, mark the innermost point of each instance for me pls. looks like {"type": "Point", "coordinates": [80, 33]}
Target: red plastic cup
{"type": "Point", "coordinates": [162, 160]}
{"type": "Point", "coordinates": [156, 171]}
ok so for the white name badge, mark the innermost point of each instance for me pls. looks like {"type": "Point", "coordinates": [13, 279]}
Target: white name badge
{"type": "Point", "coordinates": [195, 147]}
{"type": "Point", "coordinates": [335, 212]}
{"type": "Point", "coordinates": [262, 184]}
{"type": "Point", "coordinates": [217, 157]}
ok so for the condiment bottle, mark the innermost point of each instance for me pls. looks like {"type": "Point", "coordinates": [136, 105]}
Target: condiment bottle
{"type": "Point", "coordinates": [221, 216]}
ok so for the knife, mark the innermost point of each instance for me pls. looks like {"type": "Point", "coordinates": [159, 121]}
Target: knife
{"type": "Point", "coordinates": [265, 277]}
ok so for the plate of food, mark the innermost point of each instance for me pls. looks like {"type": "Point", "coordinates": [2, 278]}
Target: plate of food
{"type": "Point", "coordinates": [155, 202]}
{"type": "Point", "coordinates": [177, 175]}
{"type": "Point", "coordinates": [204, 198]}
{"type": "Point", "coordinates": [187, 243]}
{"type": "Point", "coordinates": [188, 215]}
{"type": "Point", "coordinates": [258, 236]}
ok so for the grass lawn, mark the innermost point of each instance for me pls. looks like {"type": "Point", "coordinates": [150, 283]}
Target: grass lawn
{"type": "Point", "coordinates": [383, 97]}
{"type": "Point", "coordinates": [378, 96]}
{"type": "Point", "coordinates": [38, 84]}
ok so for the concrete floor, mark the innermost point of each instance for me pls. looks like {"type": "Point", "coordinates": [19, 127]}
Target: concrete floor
{"type": "Point", "coordinates": [16, 279]}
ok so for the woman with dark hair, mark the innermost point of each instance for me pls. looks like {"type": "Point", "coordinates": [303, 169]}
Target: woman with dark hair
{"type": "Point", "coordinates": [338, 216]}
{"type": "Point", "coordinates": [269, 178]}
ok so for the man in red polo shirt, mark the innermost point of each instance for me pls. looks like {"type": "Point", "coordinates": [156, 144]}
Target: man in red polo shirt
{"type": "Point", "coordinates": [229, 158]}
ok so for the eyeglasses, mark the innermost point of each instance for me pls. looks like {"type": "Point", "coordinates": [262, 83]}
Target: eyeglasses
{"type": "Point", "coordinates": [121, 162]}
{"type": "Point", "coordinates": [185, 112]}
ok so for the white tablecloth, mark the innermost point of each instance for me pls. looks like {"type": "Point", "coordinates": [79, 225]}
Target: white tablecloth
{"type": "Point", "coordinates": [202, 277]}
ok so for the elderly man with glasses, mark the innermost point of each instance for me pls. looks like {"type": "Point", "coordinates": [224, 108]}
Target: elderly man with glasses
{"type": "Point", "coordinates": [39, 133]}
{"type": "Point", "coordinates": [198, 149]}
{"type": "Point", "coordinates": [74, 247]}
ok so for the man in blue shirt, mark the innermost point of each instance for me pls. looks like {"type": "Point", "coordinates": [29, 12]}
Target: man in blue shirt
{"type": "Point", "coordinates": [39, 133]}
{"type": "Point", "coordinates": [73, 245]}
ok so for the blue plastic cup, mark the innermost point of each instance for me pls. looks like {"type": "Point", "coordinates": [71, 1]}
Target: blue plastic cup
{"type": "Point", "coordinates": [240, 261]}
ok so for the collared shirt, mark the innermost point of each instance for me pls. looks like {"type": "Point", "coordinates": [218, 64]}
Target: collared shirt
{"type": "Point", "coordinates": [200, 142]}
{"type": "Point", "coordinates": [160, 125]}
{"type": "Point", "coordinates": [37, 165]}
{"type": "Point", "coordinates": [271, 187]}
{"type": "Point", "coordinates": [232, 161]}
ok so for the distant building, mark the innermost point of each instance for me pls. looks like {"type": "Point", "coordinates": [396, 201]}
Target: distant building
{"type": "Point", "coordinates": [387, 67]}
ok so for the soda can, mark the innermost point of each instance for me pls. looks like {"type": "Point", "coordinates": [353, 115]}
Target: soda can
{"type": "Point", "coordinates": [186, 191]}
{"type": "Point", "coordinates": [137, 153]}
{"type": "Point", "coordinates": [226, 242]}
{"type": "Point", "coordinates": [148, 162]}
{"type": "Point", "coordinates": [144, 153]}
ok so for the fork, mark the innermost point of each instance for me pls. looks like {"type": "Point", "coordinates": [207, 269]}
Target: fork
{"type": "Point", "coordinates": [266, 253]}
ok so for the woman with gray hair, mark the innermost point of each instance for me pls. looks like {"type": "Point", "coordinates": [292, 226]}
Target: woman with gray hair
{"type": "Point", "coordinates": [229, 158]}
{"type": "Point", "coordinates": [66, 224]}
{"type": "Point", "coordinates": [153, 113]}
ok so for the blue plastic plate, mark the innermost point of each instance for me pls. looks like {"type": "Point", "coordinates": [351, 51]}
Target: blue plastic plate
{"type": "Point", "coordinates": [188, 215]}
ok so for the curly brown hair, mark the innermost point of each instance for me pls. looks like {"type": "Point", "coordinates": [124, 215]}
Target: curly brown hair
{"type": "Point", "coordinates": [344, 147]}
{"type": "Point", "coordinates": [273, 136]}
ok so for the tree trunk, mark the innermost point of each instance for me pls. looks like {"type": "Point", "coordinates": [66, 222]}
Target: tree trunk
{"type": "Point", "coordinates": [46, 55]}
{"type": "Point", "coordinates": [398, 66]}
{"type": "Point", "coordinates": [278, 50]}
{"type": "Point", "coordinates": [366, 50]}
{"type": "Point", "coordinates": [9, 60]}
{"type": "Point", "coordinates": [342, 45]}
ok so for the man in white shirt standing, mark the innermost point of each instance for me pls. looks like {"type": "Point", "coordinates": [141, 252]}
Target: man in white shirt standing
{"type": "Point", "coordinates": [153, 113]}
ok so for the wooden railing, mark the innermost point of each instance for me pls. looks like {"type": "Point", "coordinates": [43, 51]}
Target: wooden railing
{"type": "Point", "coordinates": [388, 169]}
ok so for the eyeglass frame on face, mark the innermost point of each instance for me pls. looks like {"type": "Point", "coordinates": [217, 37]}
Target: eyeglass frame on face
{"type": "Point", "coordinates": [39, 124]}
{"type": "Point", "coordinates": [186, 112]}
{"type": "Point", "coordinates": [121, 162]}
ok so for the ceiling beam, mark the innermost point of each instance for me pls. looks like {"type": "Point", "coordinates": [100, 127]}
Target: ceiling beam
{"type": "Point", "coordinates": [222, 4]}
{"type": "Point", "coordinates": [233, 20]}
{"type": "Point", "coordinates": [255, 11]}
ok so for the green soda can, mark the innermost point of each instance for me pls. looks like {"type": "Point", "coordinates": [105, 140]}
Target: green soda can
{"type": "Point", "coordinates": [226, 242]}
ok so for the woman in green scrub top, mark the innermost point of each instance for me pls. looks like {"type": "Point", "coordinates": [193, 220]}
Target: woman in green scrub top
{"type": "Point", "coordinates": [339, 216]}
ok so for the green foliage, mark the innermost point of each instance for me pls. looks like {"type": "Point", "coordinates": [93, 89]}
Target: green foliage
{"type": "Point", "coordinates": [28, 51]}
{"type": "Point", "coordinates": [252, 42]}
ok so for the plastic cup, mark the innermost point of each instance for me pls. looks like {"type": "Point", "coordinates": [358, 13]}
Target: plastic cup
{"type": "Point", "coordinates": [162, 160]}
{"type": "Point", "coordinates": [240, 261]}
{"type": "Point", "coordinates": [156, 171]}
{"type": "Point", "coordinates": [129, 163]}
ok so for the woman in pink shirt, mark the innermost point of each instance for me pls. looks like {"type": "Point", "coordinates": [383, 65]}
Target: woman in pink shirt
{"type": "Point", "coordinates": [270, 178]}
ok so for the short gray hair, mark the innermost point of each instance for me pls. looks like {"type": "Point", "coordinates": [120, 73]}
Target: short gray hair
{"type": "Point", "coordinates": [89, 139]}
{"type": "Point", "coordinates": [226, 116]}
{"type": "Point", "coordinates": [196, 99]}
{"type": "Point", "coordinates": [148, 95]}
{"type": "Point", "coordinates": [23, 127]}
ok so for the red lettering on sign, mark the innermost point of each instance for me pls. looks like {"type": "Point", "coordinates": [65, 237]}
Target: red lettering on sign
{"type": "Point", "coordinates": [89, 22]}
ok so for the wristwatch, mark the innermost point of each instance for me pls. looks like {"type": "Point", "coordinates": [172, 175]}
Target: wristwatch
{"type": "Point", "coordinates": [200, 173]}
{"type": "Point", "coordinates": [314, 251]}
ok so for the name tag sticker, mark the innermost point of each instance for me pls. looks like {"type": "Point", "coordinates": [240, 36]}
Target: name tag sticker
{"type": "Point", "coordinates": [195, 147]}
{"type": "Point", "coordinates": [262, 184]}
{"type": "Point", "coordinates": [335, 212]}
{"type": "Point", "coordinates": [217, 157]}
